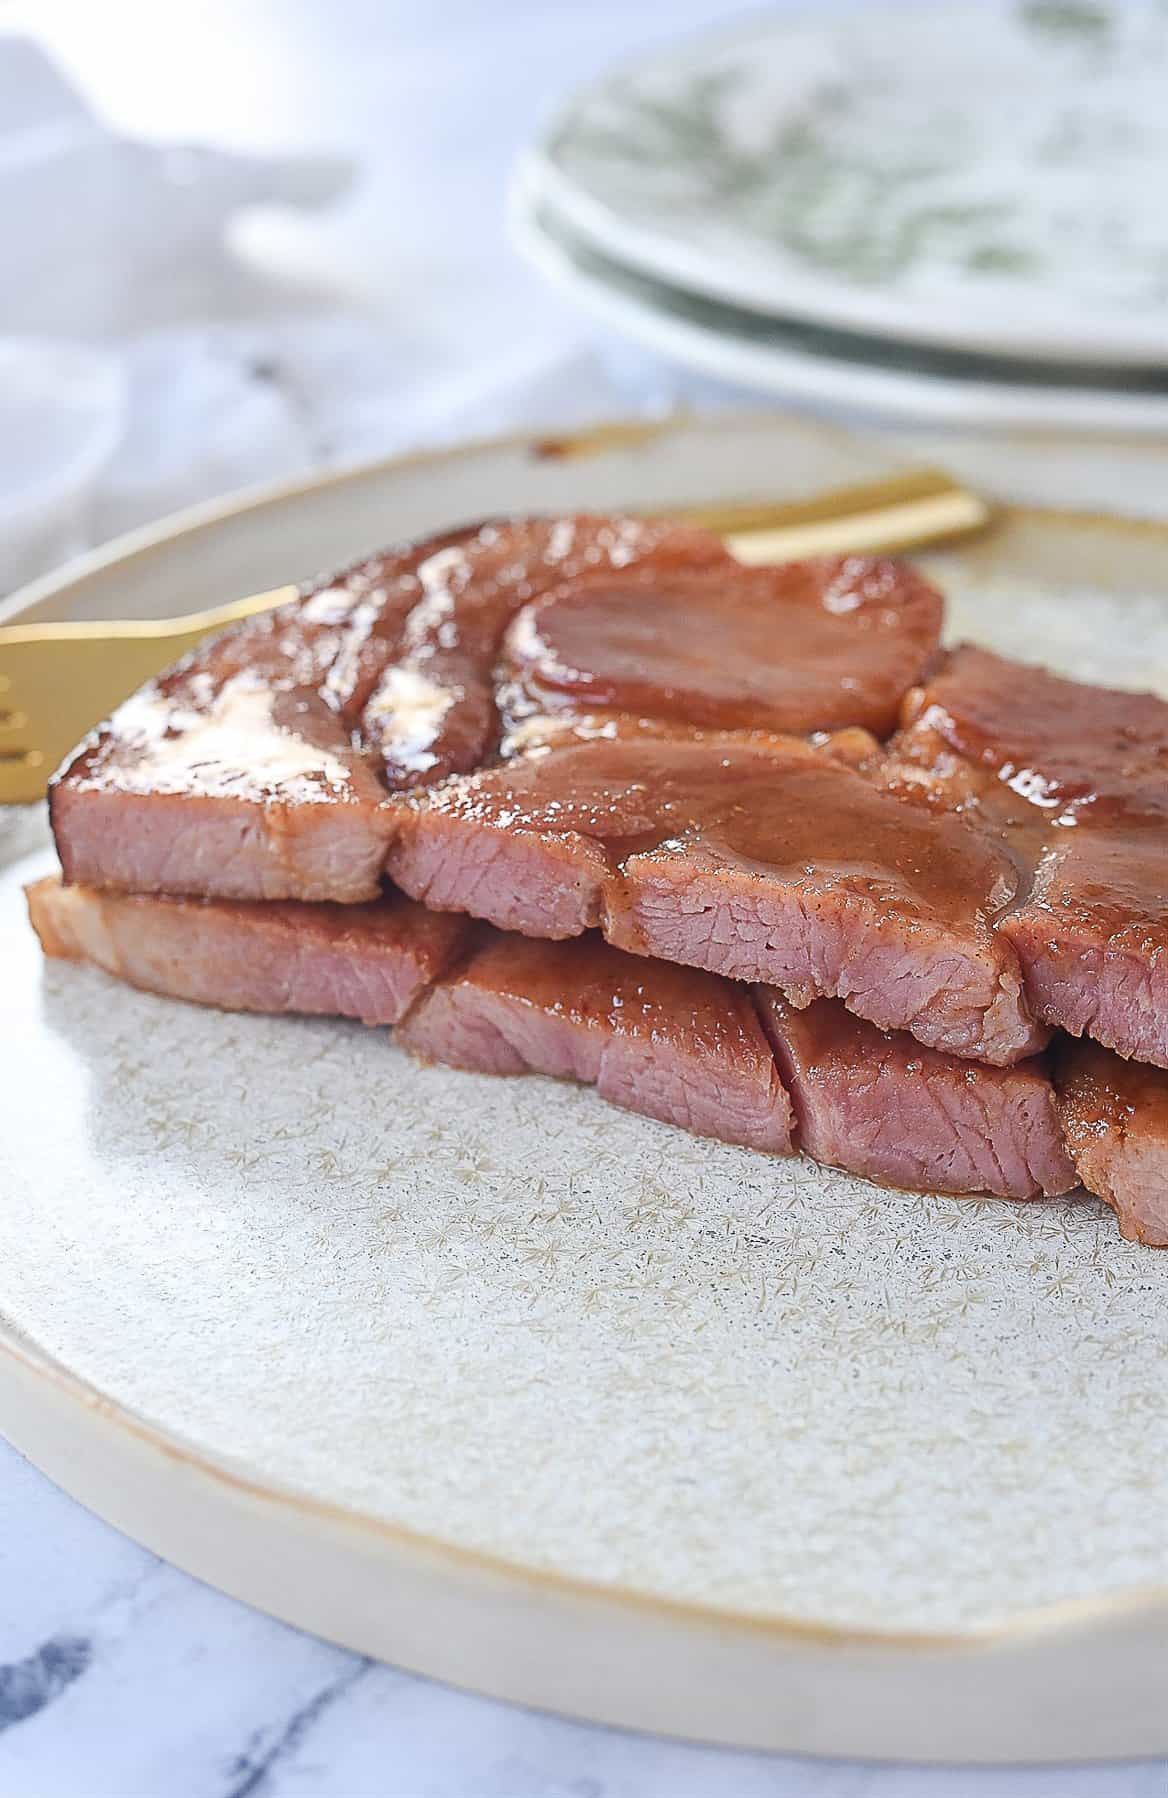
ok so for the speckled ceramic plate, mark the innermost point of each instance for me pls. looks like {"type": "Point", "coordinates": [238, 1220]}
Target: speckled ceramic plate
{"type": "Point", "coordinates": [986, 175]}
{"type": "Point", "coordinates": [495, 1382]}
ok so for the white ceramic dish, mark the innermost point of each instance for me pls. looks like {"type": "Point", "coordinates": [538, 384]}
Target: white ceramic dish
{"type": "Point", "coordinates": [807, 365]}
{"type": "Point", "coordinates": [498, 1383]}
{"type": "Point", "coordinates": [987, 176]}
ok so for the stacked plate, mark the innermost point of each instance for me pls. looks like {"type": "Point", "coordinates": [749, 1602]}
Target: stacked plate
{"type": "Point", "coordinates": [952, 213]}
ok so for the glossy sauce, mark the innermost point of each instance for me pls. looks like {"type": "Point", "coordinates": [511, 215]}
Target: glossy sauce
{"type": "Point", "coordinates": [1075, 753]}
{"type": "Point", "coordinates": [764, 808]}
{"type": "Point", "coordinates": [469, 594]}
{"type": "Point", "coordinates": [810, 646]}
{"type": "Point", "coordinates": [242, 739]}
{"type": "Point", "coordinates": [1111, 883]}
{"type": "Point", "coordinates": [587, 981]}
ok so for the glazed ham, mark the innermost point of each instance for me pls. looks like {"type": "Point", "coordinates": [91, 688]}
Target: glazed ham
{"type": "Point", "coordinates": [877, 1103]}
{"type": "Point", "coordinates": [434, 710]}
{"type": "Point", "coordinates": [256, 768]}
{"type": "Point", "coordinates": [668, 1042]}
{"type": "Point", "coordinates": [671, 1043]}
{"type": "Point", "coordinates": [765, 861]}
{"type": "Point", "coordinates": [600, 727]}
{"type": "Point", "coordinates": [236, 775]}
{"type": "Point", "coordinates": [809, 647]}
{"type": "Point", "coordinates": [1069, 749]}
{"type": "Point", "coordinates": [1115, 1116]}
{"type": "Point", "coordinates": [1073, 779]}
{"type": "Point", "coordinates": [354, 961]}
{"type": "Point", "coordinates": [1092, 939]}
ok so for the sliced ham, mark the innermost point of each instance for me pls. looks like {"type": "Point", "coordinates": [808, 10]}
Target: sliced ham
{"type": "Point", "coordinates": [1058, 744]}
{"type": "Point", "coordinates": [1092, 938]}
{"type": "Point", "coordinates": [764, 861]}
{"type": "Point", "coordinates": [879, 1104]}
{"type": "Point", "coordinates": [238, 789]}
{"type": "Point", "coordinates": [811, 646]}
{"type": "Point", "coordinates": [668, 1042]}
{"type": "Point", "coordinates": [1073, 780]}
{"type": "Point", "coordinates": [999, 873]}
{"type": "Point", "coordinates": [434, 710]}
{"type": "Point", "coordinates": [235, 775]}
{"type": "Point", "coordinates": [1115, 1115]}
{"type": "Point", "coordinates": [256, 767]}
{"type": "Point", "coordinates": [360, 961]}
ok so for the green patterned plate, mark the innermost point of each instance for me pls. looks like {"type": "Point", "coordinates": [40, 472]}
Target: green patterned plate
{"type": "Point", "coordinates": [985, 176]}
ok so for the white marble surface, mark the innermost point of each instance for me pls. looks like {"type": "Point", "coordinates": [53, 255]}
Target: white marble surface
{"type": "Point", "coordinates": [120, 1677]}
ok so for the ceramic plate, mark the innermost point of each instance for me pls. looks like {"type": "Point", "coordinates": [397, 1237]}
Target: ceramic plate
{"type": "Point", "coordinates": [988, 176]}
{"type": "Point", "coordinates": [532, 1395]}
{"type": "Point", "coordinates": [846, 371]}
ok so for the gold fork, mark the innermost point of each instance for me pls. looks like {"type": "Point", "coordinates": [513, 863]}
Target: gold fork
{"type": "Point", "coordinates": [58, 680]}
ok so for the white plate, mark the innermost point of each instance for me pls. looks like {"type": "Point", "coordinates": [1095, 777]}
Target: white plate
{"type": "Point", "coordinates": [987, 176]}
{"type": "Point", "coordinates": [496, 1382]}
{"type": "Point", "coordinates": [803, 363]}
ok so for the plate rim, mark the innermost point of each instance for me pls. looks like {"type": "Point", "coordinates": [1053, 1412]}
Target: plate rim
{"type": "Point", "coordinates": [164, 1489]}
{"type": "Point", "coordinates": [1035, 1620]}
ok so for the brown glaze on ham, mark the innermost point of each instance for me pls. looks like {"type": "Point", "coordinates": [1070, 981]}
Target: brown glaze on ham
{"type": "Point", "coordinates": [359, 961]}
{"type": "Point", "coordinates": [1092, 938]}
{"type": "Point", "coordinates": [1115, 1115]}
{"type": "Point", "coordinates": [1011, 836]}
{"type": "Point", "coordinates": [1073, 780]}
{"type": "Point", "coordinates": [235, 774]}
{"type": "Point", "coordinates": [235, 788]}
{"type": "Point", "coordinates": [879, 1104]}
{"type": "Point", "coordinates": [1072, 750]}
{"type": "Point", "coordinates": [668, 1042]}
{"type": "Point", "coordinates": [811, 646]}
{"type": "Point", "coordinates": [434, 712]}
{"type": "Point", "coordinates": [754, 860]}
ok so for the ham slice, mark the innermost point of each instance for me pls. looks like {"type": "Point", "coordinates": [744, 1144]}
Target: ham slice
{"type": "Point", "coordinates": [1092, 939]}
{"type": "Point", "coordinates": [256, 768]}
{"type": "Point", "coordinates": [1115, 1115]}
{"type": "Point", "coordinates": [762, 860]}
{"type": "Point", "coordinates": [1073, 780]}
{"type": "Point", "coordinates": [812, 646]}
{"type": "Point", "coordinates": [235, 775]}
{"type": "Point", "coordinates": [360, 961]}
{"type": "Point", "coordinates": [671, 1043]}
{"type": "Point", "coordinates": [878, 1104]}
{"type": "Point", "coordinates": [555, 724]}
{"type": "Point", "coordinates": [434, 710]}
{"type": "Point", "coordinates": [668, 1042]}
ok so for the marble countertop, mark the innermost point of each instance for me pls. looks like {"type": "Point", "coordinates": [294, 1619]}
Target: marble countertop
{"type": "Point", "coordinates": [122, 1678]}
{"type": "Point", "coordinates": [119, 1676]}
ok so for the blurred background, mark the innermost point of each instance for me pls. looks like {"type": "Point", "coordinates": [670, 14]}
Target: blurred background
{"type": "Point", "coordinates": [245, 239]}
